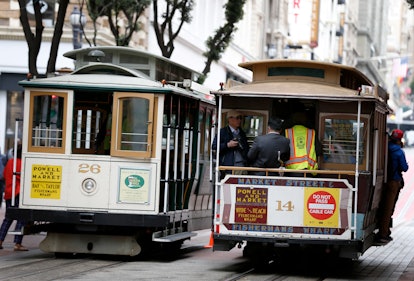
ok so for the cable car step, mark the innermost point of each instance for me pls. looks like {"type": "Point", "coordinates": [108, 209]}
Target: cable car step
{"type": "Point", "coordinates": [15, 232]}
{"type": "Point", "coordinates": [157, 236]}
{"type": "Point", "coordinates": [22, 231]}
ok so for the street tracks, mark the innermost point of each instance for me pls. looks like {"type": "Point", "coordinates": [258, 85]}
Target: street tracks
{"type": "Point", "coordinates": [46, 267]}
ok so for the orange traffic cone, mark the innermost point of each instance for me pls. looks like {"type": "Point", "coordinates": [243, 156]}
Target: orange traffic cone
{"type": "Point", "coordinates": [211, 243]}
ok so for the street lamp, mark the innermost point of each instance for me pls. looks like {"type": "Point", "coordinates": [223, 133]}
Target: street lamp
{"type": "Point", "coordinates": [78, 21]}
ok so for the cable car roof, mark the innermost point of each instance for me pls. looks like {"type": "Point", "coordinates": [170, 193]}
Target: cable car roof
{"type": "Point", "coordinates": [306, 79]}
{"type": "Point", "coordinates": [156, 67]}
{"type": "Point", "coordinates": [109, 77]}
{"type": "Point", "coordinates": [321, 72]}
{"type": "Point", "coordinates": [106, 79]}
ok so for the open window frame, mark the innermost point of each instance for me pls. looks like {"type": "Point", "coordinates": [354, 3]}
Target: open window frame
{"type": "Point", "coordinates": [118, 146]}
{"type": "Point", "coordinates": [41, 139]}
{"type": "Point", "coordinates": [345, 125]}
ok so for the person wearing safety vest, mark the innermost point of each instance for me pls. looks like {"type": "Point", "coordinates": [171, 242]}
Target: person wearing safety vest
{"type": "Point", "coordinates": [303, 146]}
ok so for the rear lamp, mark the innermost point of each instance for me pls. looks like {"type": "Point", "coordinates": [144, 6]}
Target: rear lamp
{"type": "Point", "coordinates": [89, 186]}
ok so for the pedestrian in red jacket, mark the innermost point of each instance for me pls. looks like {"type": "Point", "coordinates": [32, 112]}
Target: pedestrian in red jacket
{"type": "Point", "coordinates": [8, 193]}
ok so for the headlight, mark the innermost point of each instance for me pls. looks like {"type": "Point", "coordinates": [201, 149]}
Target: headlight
{"type": "Point", "coordinates": [89, 186]}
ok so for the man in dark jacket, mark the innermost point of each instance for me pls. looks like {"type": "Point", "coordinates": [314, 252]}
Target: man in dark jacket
{"type": "Point", "coordinates": [270, 150]}
{"type": "Point", "coordinates": [233, 143]}
{"type": "Point", "coordinates": [397, 164]}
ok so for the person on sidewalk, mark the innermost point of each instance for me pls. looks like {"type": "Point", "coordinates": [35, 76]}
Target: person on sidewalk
{"type": "Point", "coordinates": [8, 177]}
{"type": "Point", "coordinates": [2, 184]}
{"type": "Point", "coordinates": [397, 164]}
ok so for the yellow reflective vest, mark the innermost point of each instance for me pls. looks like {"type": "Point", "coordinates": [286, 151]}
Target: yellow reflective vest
{"type": "Point", "coordinates": [302, 148]}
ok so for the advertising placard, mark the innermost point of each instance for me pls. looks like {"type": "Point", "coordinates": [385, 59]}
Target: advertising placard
{"type": "Point", "coordinates": [286, 205]}
{"type": "Point", "coordinates": [251, 205]}
{"type": "Point", "coordinates": [134, 185]}
{"type": "Point", "coordinates": [46, 181]}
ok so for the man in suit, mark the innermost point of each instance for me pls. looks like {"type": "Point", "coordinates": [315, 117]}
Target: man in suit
{"type": "Point", "coordinates": [270, 150]}
{"type": "Point", "coordinates": [233, 143]}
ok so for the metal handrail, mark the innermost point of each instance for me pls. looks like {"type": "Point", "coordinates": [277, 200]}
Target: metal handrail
{"type": "Point", "coordinates": [281, 170]}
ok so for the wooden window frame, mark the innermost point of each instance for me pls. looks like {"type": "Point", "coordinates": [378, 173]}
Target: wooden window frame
{"type": "Point", "coordinates": [117, 126]}
{"type": "Point", "coordinates": [48, 149]}
{"type": "Point", "coordinates": [366, 140]}
{"type": "Point", "coordinates": [246, 112]}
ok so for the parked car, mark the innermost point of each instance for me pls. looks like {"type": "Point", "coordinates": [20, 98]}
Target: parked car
{"type": "Point", "coordinates": [409, 138]}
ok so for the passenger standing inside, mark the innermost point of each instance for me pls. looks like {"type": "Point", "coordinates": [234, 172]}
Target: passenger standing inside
{"type": "Point", "coordinates": [104, 135]}
{"type": "Point", "coordinates": [233, 143]}
{"type": "Point", "coordinates": [8, 176]}
{"type": "Point", "coordinates": [397, 164]}
{"type": "Point", "coordinates": [304, 145]}
{"type": "Point", "coordinates": [270, 150]}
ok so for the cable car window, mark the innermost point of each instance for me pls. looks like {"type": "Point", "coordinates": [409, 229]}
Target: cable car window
{"type": "Point", "coordinates": [253, 123]}
{"type": "Point", "coordinates": [203, 121]}
{"type": "Point", "coordinates": [168, 123]}
{"type": "Point", "coordinates": [134, 134]}
{"type": "Point", "coordinates": [296, 71]}
{"type": "Point", "coordinates": [340, 139]}
{"type": "Point", "coordinates": [47, 122]}
{"type": "Point", "coordinates": [207, 135]}
{"type": "Point", "coordinates": [92, 122]}
{"type": "Point", "coordinates": [133, 124]}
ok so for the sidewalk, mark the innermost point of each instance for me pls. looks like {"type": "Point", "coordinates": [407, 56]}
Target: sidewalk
{"type": "Point", "coordinates": [394, 261]}
{"type": "Point", "coordinates": [408, 237]}
{"type": "Point", "coordinates": [30, 241]}
{"type": "Point", "coordinates": [408, 274]}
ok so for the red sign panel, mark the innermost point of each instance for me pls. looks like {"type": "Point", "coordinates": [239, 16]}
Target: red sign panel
{"type": "Point", "coordinates": [251, 205]}
{"type": "Point", "coordinates": [321, 205]}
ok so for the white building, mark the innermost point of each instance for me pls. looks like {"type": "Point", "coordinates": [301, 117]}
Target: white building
{"type": "Point", "coordinates": [207, 16]}
{"type": "Point", "coordinates": [399, 59]}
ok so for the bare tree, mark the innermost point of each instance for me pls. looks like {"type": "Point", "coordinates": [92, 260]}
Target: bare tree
{"type": "Point", "coordinates": [96, 9]}
{"type": "Point", "coordinates": [57, 35]}
{"type": "Point", "coordinates": [118, 12]}
{"type": "Point", "coordinates": [217, 44]}
{"type": "Point", "coordinates": [184, 9]}
{"type": "Point", "coordinates": [34, 40]}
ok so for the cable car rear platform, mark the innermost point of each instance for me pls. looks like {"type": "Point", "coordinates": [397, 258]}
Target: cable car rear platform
{"type": "Point", "coordinates": [88, 218]}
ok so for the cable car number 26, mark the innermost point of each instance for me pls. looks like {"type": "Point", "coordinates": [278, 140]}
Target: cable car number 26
{"type": "Point", "coordinates": [86, 168]}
